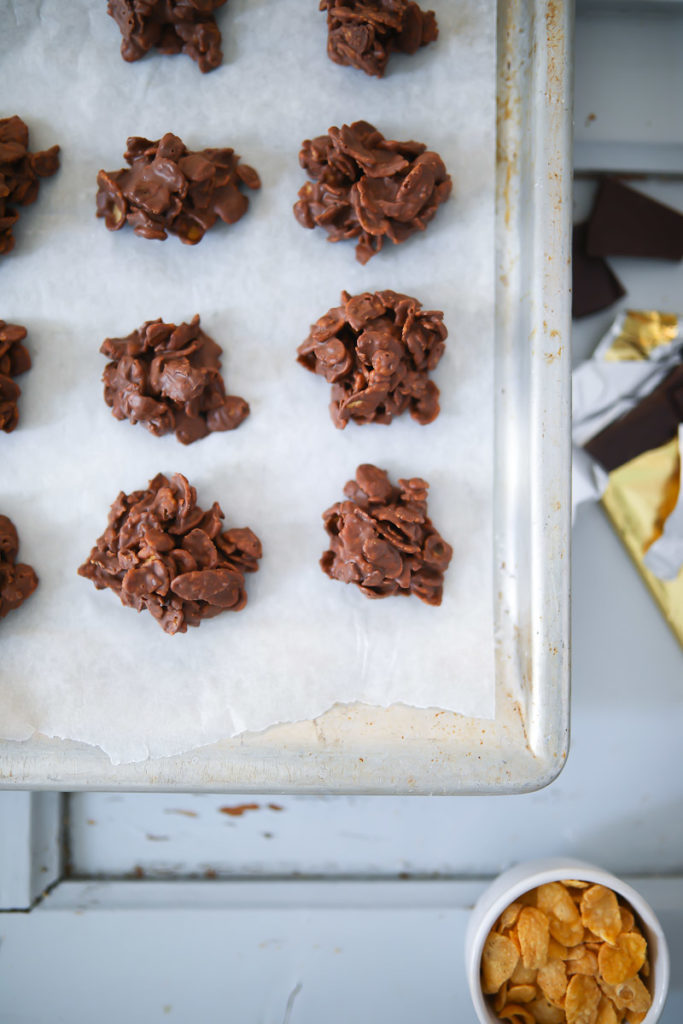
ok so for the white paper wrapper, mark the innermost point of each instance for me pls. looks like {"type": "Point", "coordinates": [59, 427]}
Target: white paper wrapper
{"type": "Point", "coordinates": [74, 662]}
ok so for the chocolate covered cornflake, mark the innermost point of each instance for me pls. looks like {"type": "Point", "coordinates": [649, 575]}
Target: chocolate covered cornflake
{"type": "Point", "coordinates": [168, 378]}
{"type": "Point", "coordinates": [170, 26]}
{"type": "Point", "coordinates": [19, 175]}
{"type": "Point", "coordinates": [376, 350]}
{"type": "Point", "coordinates": [382, 539]}
{"type": "Point", "coordinates": [14, 359]}
{"type": "Point", "coordinates": [162, 552]}
{"type": "Point", "coordinates": [170, 189]}
{"type": "Point", "coordinates": [370, 188]}
{"type": "Point", "coordinates": [17, 581]}
{"type": "Point", "coordinates": [364, 33]}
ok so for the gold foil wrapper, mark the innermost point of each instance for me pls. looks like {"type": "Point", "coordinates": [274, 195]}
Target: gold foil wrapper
{"type": "Point", "coordinates": [639, 497]}
{"type": "Point", "coordinates": [641, 332]}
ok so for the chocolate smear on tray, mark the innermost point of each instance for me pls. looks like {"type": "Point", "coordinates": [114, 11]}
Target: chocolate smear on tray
{"type": "Point", "coordinates": [170, 26]}
{"type": "Point", "coordinates": [382, 539]}
{"type": "Point", "coordinates": [168, 188]}
{"type": "Point", "coordinates": [163, 553]}
{"type": "Point", "coordinates": [364, 33]}
{"type": "Point", "coordinates": [377, 350]}
{"type": "Point", "coordinates": [20, 172]}
{"type": "Point", "coordinates": [168, 378]}
{"type": "Point", "coordinates": [628, 223]}
{"type": "Point", "coordinates": [370, 188]}
{"type": "Point", "coordinates": [17, 581]}
{"type": "Point", "coordinates": [14, 360]}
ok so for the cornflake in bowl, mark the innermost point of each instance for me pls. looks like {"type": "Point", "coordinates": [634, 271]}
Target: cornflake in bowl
{"type": "Point", "coordinates": [569, 950]}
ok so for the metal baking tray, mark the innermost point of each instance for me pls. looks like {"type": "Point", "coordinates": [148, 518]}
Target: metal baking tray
{"type": "Point", "coordinates": [360, 749]}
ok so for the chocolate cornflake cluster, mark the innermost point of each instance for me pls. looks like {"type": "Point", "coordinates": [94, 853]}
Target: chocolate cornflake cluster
{"type": "Point", "coordinates": [17, 581]}
{"type": "Point", "coordinates": [382, 539]}
{"type": "Point", "coordinates": [364, 33]}
{"type": "Point", "coordinates": [368, 187]}
{"type": "Point", "coordinates": [376, 350]}
{"type": "Point", "coordinates": [168, 378]}
{"type": "Point", "coordinates": [170, 26]}
{"type": "Point", "coordinates": [170, 189]}
{"type": "Point", "coordinates": [162, 552]}
{"type": "Point", "coordinates": [19, 174]}
{"type": "Point", "coordinates": [14, 359]}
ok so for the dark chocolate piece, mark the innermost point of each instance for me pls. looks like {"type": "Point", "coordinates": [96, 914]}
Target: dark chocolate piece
{"type": "Point", "coordinates": [652, 423]}
{"type": "Point", "coordinates": [170, 26]}
{"type": "Point", "coordinates": [382, 539]}
{"type": "Point", "coordinates": [14, 359]}
{"type": "Point", "coordinates": [19, 174]}
{"type": "Point", "coordinates": [594, 285]}
{"type": "Point", "coordinates": [17, 581]}
{"type": "Point", "coordinates": [364, 33]}
{"type": "Point", "coordinates": [169, 379]}
{"type": "Point", "coordinates": [627, 223]}
{"type": "Point", "coordinates": [376, 350]}
{"type": "Point", "coordinates": [162, 552]}
{"type": "Point", "coordinates": [168, 188]}
{"type": "Point", "coordinates": [368, 187]}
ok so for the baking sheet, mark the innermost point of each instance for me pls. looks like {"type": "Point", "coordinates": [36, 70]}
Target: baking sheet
{"type": "Point", "coordinates": [75, 663]}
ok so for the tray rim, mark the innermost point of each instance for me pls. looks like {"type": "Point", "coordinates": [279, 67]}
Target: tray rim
{"type": "Point", "coordinates": [525, 747]}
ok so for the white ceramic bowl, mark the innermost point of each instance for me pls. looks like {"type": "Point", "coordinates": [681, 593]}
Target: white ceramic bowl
{"type": "Point", "coordinates": [511, 884]}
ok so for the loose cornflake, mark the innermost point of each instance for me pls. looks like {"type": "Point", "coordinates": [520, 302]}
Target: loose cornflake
{"type": "Point", "coordinates": [600, 912]}
{"type": "Point", "coordinates": [498, 961]}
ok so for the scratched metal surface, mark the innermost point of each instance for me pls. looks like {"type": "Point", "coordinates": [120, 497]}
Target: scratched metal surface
{"type": "Point", "coordinates": [406, 750]}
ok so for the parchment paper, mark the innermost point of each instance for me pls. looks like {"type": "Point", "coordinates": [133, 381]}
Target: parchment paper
{"type": "Point", "coordinates": [74, 662]}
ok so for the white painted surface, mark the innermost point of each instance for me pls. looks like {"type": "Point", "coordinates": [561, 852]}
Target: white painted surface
{"type": "Point", "coordinates": [251, 953]}
{"type": "Point", "coordinates": [30, 846]}
{"type": "Point", "coordinates": [629, 50]}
